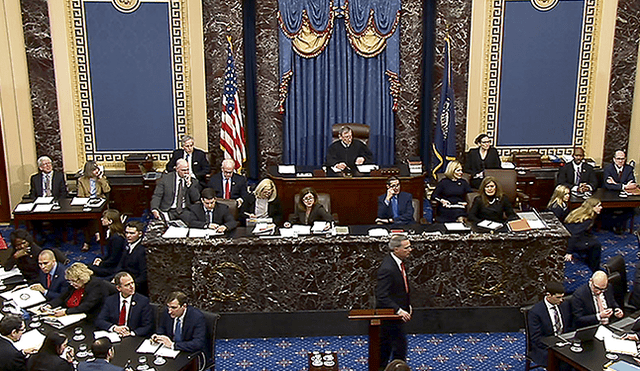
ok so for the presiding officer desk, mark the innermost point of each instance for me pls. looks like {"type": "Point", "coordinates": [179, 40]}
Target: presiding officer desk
{"type": "Point", "coordinates": [251, 274]}
{"type": "Point", "coordinates": [354, 199]}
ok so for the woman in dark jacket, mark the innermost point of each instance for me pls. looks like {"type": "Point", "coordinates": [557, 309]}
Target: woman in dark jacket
{"type": "Point", "coordinates": [53, 356]}
{"type": "Point", "coordinates": [478, 159]}
{"type": "Point", "coordinates": [308, 209]}
{"type": "Point", "coordinates": [24, 254]}
{"type": "Point", "coordinates": [106, 266]}
{"type": "Point", "coordinates": [262, 203]}
{"type": "Point", "coordinates": [582, 244]}
{"type": "Point", "coordinates": [85, 294]}
{"type": "Point", "coordinates": [491, 204]}
{"type": "Point", "coordinates": [451, 195]}
{"type": "Point", "coordinates": [559, 203]}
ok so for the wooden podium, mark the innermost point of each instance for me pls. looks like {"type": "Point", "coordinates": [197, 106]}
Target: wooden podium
{"type": "Point", "coordinates": [375, 318]}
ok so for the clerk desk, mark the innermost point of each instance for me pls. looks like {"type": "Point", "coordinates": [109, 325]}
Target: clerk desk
{"type": "Point", "coordinates": [354, 199]}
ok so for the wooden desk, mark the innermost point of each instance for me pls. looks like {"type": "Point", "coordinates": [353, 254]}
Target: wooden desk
{"type": "Point", "coordinates": [354, 199]}
{"type": "Point", "coordinates": [65, 212]}
{"type": "Point", "coordinates": [130, 193]}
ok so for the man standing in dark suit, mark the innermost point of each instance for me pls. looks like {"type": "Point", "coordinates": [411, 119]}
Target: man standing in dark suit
{"type": "Point", "coordinates": [47, 183]}
{"type": "Point", "coordinates": [392, 291]}
{"type": "Point", "coordinates": [196, 159]}
{"type": "Point", "coordinates": [103, 353]}
{"type": "Point", "coordinates": [209, 214]}
{"type": "Point", "coordinates": [174, 192]}
{"type": "Point", "coordinates": [347, 153]}
{"type": "Point", "coordinates": [182, 327]}
{"type": "Point", "coordinates": [51, 281]}
{"type": "Point", "coordinates": [577, 175]}
{"type": "Point", "coordinates": [11, 329]}
{"type": "Point", "coordinates": [548, 317]}
{"type": "Point", "coordinates": [126, 313]}
{"type": "Point", "coordinates": [228, 184]}
{"type": "Point", "coordinates": [593, 302]}
{"type": "Point", "coordinates": [395, 207]}
{"type": "Point", "coordinates": [134, 258]}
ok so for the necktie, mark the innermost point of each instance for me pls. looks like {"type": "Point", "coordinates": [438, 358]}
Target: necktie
{"type": "Point", "coordinates": [620, 175]}
{"type": "Point", "coordinates": [47, 185]}
{"type": "Point", "coordinates": [404, 276]}
{"type": "Point", "coordinates": [601, 309]}
{"type": "Point", "coordinates": [187, 158]}
{"type": "Point", "coordinates": [48, 280]}
{"type": "Point", "coordinates": [209, 216]}
{"type": "Point", "coordinates": [394, 206]}
{"type": "Point", "coordinates": [180, 200]}
{"type": "Point", "coordinates": [557, 326]}
{"type": "Point", "coordinates": [577, 176]}
{"type": "Point", "coordinates": [123, 314]}
{"type": "Point", "coordinates": [227, 189]}
{"type": "Point", "coordinates": [177, 336]}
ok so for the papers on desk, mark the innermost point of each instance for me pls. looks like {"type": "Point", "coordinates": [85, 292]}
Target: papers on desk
{"type": "Point", "coordinates": [533, 219]}
{"type": "Point", "coordinates": [148, 346]}
{"type": "Point", "coordinates": [202, 233]}
{"type": "Point", "coordinates": [456, 227]}
{"type": "Point", "coordinates": [304, 175]}
{"type": "Point", "coordinates": [8, 274]}
{"type": "Point", "coordinates": [96, 202]}
{"type": "Point", "coordinates": [378, 232]}
{"type": "Point", "coordinates": [30, 339]}
{"type": "Point", "coordinates": [622, 366]}
{"type": "Point", "coordinates": [64, 321]}
{"type": "Point", "coordinates": [320, 227]}
{"type": "Point", "coordinates": [24, 208]}
{"type": "Point", "coordinates": [43, 200]}
{"type": "Point", "coordinates": [461, 205]}
{"type": "Point", "coordinates": [114, 337]}
{"type": "Point", "coordinates": [176, 232]}
{"type": "Point", "coordinates": [264, 229]}
{"type": "Point", "coordinates": [43, 208]}
{"type": "Point", "coordinates": [24, 297]}
{"type": "Point", "coordinates": [301, 230]}
{"type": "Point", "coordinates": [365, 169]}
{"type": "Point", "coordinates": [490, 224]}
{"type": "Point", "coordinates": [287, 169]}
{"type": "Point", "coordinates": [614, 344]}
{"type": "Point", "coordinates": [79, 201]}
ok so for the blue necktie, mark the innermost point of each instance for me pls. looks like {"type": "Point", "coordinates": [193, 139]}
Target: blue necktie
{"type": "Point", "coordinates": [177, 336]}
{"type": "Point", "coordinates": [394, 206]}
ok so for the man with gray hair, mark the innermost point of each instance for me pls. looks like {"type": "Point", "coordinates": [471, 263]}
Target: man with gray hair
{"type": "Point", "coordinates": [392, 291]}
{"type": "Point", "coordinates": [228, 184]}
{"type": "Point", "coordinates": [174, 192]}
{"type": "Point", "coordinates": [347, 153]}
{"type": "Point", "coordinates": [47, 182]}
{"type": "Point", "coordinates": [196, 159]}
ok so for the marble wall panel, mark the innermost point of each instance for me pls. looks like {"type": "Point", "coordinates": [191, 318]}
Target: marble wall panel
{"type": "Point", "coordinates": [42, 82]}
{"type": "Point", "coordinates": [623, 71]}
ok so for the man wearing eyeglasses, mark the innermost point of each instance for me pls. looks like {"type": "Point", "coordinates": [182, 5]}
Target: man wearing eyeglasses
{"type": "Point", "coordinates": [228, 184]}
{"type": "Point", "coordinates": [11, 329]}
{"type": "Point", "coordinates": [618, 176]}
{"type": "Point", "coordinates": [394, 207]}
{"type": "Point", "coordinates": [593, 302]}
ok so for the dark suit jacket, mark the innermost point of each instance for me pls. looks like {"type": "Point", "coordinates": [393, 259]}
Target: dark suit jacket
{"type": "Point", "coordinates": [98, 364]}
{"type": "Point", "coordinates": [48, 362]}
{"type": "Point", "coordinates": [581, 237]}
{"type": "Point", "coordinates": [238, 186]}
{"type": "Point", "coordinates": [58, 186]}
{"type": "Point", "coordinates": [583, 308]}
{"type": "Point", "coordinates": [12, 358]}
{"type": "Point", "coordinates": [199, 162]}
{"type": "Point", "coordinates": [317, 213]}
{"type": "Point", "coordinates": [567, 176]}
{"type": "Point", "coordinates": [193, 330]}
{"type": "Point", "coordinates": [114, 249]}
{"type": "Point", "coordinates": [390, 289]}
{"type": "Point", "coordinates": [195, 217]}
{"type": "Point", "coordinates": [58, 283]}
{"type": "Point", "coordinates": [610, 171]}
{"type": "Point", "coordinates": [94, 293]}
{"type": "Point", "coordinates": [274, 209]}
{"type": "Point", "coordinates": [405, 209]}
{"type": "Point", "coordinates": [135, 263]}
{"type": "Point", "coordinates": [140, 318]}
{"type": "Point", "coordinates": [540, 326]}
{"type": "Point", "coordinates": [28, 264]}
{"type": "Point", "coordinates": [473, 162]}
{"type": "Point", "coordinates": [165, 192]}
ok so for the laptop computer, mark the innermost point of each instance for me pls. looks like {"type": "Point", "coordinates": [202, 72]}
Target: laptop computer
{"type": "Point", "coordinates": [582, 334]}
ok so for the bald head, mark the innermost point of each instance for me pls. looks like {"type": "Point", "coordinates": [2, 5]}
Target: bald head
{"type": "Point", "coordinates": [599, 281]}
{"type": "Point", "coordinates": [46, 261]}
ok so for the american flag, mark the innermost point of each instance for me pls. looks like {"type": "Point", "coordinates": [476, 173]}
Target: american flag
{"type": "Point", "coordinates": [232, 138]}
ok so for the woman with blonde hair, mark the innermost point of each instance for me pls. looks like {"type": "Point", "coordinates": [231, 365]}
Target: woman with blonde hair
{"type": "Point", "coordinates": [451, 195]}
{"type": "Point", "coordinates": [559, 202]}
{"type": "Point", "coordinates": [262, 203]}
{"type": "Point", "coordinates": [84, 295]}
{"type": "Point", "coordinates": [582, 243]}
{"type": "Point", "coordinates": [492, 204]}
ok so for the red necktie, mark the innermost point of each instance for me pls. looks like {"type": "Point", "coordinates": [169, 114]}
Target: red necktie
{"type": "Point", "coordinates": [48, 280]}
{"type": "Point", "coordinates": [404, 276]}
{"type": "Point", "coordinates": [123, 314]}
{"type": "Point", "coordinates": [227, 189]}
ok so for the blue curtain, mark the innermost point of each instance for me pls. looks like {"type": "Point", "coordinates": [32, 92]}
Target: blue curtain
{"type": "Point", "coordinates": [337, 85]}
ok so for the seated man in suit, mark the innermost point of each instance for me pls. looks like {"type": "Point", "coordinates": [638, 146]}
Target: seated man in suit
{"type": "Point", "coordinates": [182, 327]}
{"type": "Point", "coordinates": [51, 281]}
{"type": "Point", "coordinates": [577, 175]}
{"type": "Point", "coordinates": [618, 176]}
{"type": "Point", "coordinates": [174, 192]}
{"type": "Point", "coordinates": [196, 159]}
{"type": "Point", "coordinates": [134, 258]}
{"type": "Point", "coordinates": [11, 329]}
{"type": "Point", "coordinates": [346, 153]}
{"type": "Point", "coordinates": [209, 214]}
{"type": "Point", "coordinates": [126, 313]}
{"type": "Point", "coordinates": [47, 183]}
{"type": "Point", "coordinates": [585, 310]}
{"type": "Point", "coordinates": [548, 317]}
{"type": "Point", "coordinates": [103, 352]}
{"type": "Point", "coordinates": [395, 207]}
{"type": "Point", "coordinates": [228, 184]}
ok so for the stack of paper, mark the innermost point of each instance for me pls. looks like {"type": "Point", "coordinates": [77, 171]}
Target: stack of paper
{"type": "Point", "coordinates": [202, 233]}
{"type": "Point", "coordinates": [79, 201]}
{"type": "Point", "coordinates": [24, 208]}
{"type": "Point", "coordinates": [176, 232]}
{"type": "Point", "coordinates": [264, 228]}
{"type": "Point", "coordinates": [30, 339]}
{"type": "Point", "coordinates": [114, 337]}
{"type": "Point", "coordinates": [148, 346]}
{"type": "Point", "coordinates": [25, 297]}
{"type": "Point", "coordinates": [456, 227]}
{"type": "Point", "coordinates": [490, 224]}
{"type": "Point", "coordinates": [64, 321]}
{"type": "Point", "coordinates": [320, 227]}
